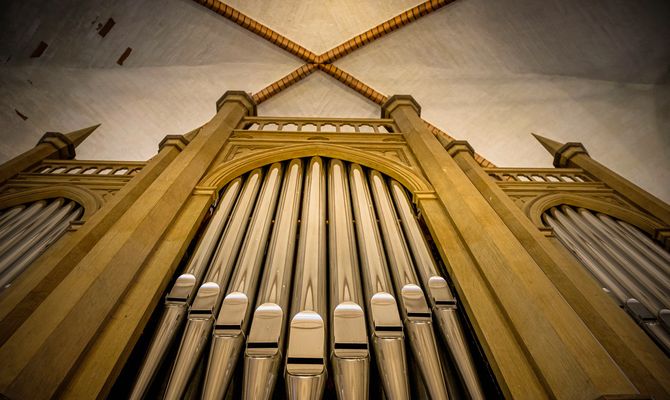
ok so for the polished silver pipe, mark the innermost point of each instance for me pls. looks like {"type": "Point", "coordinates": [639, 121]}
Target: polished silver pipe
{"type": "Point", "coordinates": [181, 294]}
{"type": "Point", "coordinates": [442, 301]}
{"type": "Point", "coordinates": [263, 354]}
{"type": "Point", "coordinates": [648, 248]}
{"type": "Point", "coordinates": [25, 228]}
{"type": "Point", "coordinates": [305, 371]}
{"type": "Point", "coordinates": [607, 260]}
{"type": "Point", "coordinates": [590, 259]}
{"type": "Point", "coordinates": [385, 325]}
{"type": "Point", "coordinates": [34, 233]}
{"type": "Point", "coordinates": [233, 319]}
{"type": "Point", "coordinates": [21, 220]}
{"type": "Point", "coordinates": [34, 248]}
{"type": "Point", "coordinates": [622, 244]}
{"type": "Point", "coordinates": [413, 306]}
{"type": "Point", "coordinates": [9, 215]}
{"type": "Point", "coordinates": [647, 283]}
{"type": "Point", "coordinates": [649, 243]}
{"type": "Point", "coordinates": [208, 298]}
{"type": "Point", "coordinates": [350, 355]}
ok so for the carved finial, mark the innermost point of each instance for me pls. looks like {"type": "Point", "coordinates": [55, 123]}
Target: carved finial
{"type": "Point", "coordinates": [77, 137]}
{"type": "Point", "coordinates": [552, 146]}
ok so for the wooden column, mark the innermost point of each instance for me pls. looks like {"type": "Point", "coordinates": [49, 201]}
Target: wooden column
{"type": "Point", "coordinates": [641, 360]}
{"type": "Point", "coordinates": [51, 145]}
{"type": "Point", "coordinates": [503, 288]}
{"type": "Point", "coordinates": [37, 282]}
{"type": "Point", "coordinates": [38, 357]}
{"type": "Point", "coordinates": [575, 155]}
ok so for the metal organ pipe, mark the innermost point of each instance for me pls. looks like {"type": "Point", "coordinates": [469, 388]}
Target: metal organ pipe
{"type": "Point", "coordinates": [633, 263]}
{"type": "Point", "coordinates": [308, 255]}
{"type": "Point", "coordinates": [384, 321]}
{"type": "Point", "coordinates": [208, 298]}
{"type": "Point", "coordinates": [233, 319]}
{"type": "Point", "coordinates": [442, 301]}
{"type": "Point", "coordinates": [349, 339]}
{"type": "Point", "coordinates": [415, 311]}
{"type": "Point", "coordinates": [267, 334]}
{"type": "Point", "coordinates": [9, 215]}
{"type": "Point", "coordinates": [30, 232]}
{"type": "Point", "coordinates": [181, 294]}
{"type": "Point", "coordinates": [306, 356]}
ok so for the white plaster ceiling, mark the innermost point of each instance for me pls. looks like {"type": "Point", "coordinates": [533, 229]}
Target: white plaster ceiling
{"type": "Point", "coordinates": [487, 71]}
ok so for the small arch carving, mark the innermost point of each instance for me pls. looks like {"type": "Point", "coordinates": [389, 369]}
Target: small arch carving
{"type": "Point", "coordinates": [228, 171]}
{"type": "Point", "coordinates": [535, 208]}
{"type": "Point", "coordinates": [89, 200]}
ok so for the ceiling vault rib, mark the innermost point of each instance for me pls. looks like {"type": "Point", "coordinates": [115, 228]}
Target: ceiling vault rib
{"type": "Point", "coordinates": [353, 83]}
{"type": "Point", "coordinates": [261, 30]}
{"type": "Point", "coordinates": [380, 30]}
{"type": "Point", "coordinates": [283, 83]}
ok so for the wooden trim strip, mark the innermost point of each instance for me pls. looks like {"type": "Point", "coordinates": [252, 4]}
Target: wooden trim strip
{"type": "Point", "coordinates": [283, 83]}
{"type": "Point", "coordinates": [380, 30]}
{"type": "Point", "coordinates": [261, 30]}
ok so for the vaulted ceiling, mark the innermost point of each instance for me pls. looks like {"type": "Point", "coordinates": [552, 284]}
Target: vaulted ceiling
{"type": "Point", "coordinates": [487, 71]}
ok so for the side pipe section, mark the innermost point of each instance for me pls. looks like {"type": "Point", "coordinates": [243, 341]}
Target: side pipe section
{"type": "Point", "coordinates": [350, 355]}
{"type": "Point", "coordinates": [305, 371]}
{"type": "Point", "coordinates": [208, 298]}
{"type": "Point", "coordinates": [233, 319]}
{"type": "Point", "coordinates": [181, 294]}
{"type": "Point", "coordinates": [415, 312]}
{"type": "Point", "coordinates": [442, 301]}
{"type": "Point", "coordinates": [263, 354]}
{"type": "Point", "coordinates": [386, 328]}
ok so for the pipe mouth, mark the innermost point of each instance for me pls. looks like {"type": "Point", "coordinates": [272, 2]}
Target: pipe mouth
{"type": "Point", "coordinates": [306, 347]}
{"type": "Point", "coordinates": [205, 300]}
{"type": "Point", "coordinates": [349, 334]}
{"type": "Point", "coordinates": [385, 317]}
{"type": "Point", "coordinates": [182, 288]}
{"type": "Point", "coordinates": [265, 332]}
{"type": "Point", "coordinates": [414, 304]}
{"type": "Point", "coordinates": [232, 315]}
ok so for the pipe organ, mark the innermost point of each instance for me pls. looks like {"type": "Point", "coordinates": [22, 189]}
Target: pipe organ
{"type": "Point", "coordinates": [631, 267]}
{"type": "Point", "coordinates": [305, 258]}
{"type": "Point", "coordinates": [264, 332]}
{"type": "Point", "coordinates": [27, 230]}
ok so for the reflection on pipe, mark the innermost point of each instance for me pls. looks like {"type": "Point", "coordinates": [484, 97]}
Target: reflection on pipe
{"type": "Point", "coordinates": [266, 336]}
{"type": "Point", "coordinates": [208, 298]}
{"type": "Point", "coordinates": [305, 363]}
{"type": "Point", "coordinates": [384, 321]}
{"type": "Point", "coordinates": [349, 340]}
{"type": "Point", "coordinates": [27, 232]}
{"type": "Point", "coordinates": [181, 294]}
{"type": "Point", "coordinates": [413, 306]}
{"type": "Point", "coordinates": [441, 299]}
{"type": "Point", "coordinates": [624, 261]}
{"type": "Point", "coordinates": [233, 319]}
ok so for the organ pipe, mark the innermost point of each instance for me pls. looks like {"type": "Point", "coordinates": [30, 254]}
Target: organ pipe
{"type": "Point", "coordinates": [384, 320]}
{"type": "Point", "coordinates": [233, 319]}
{"type": "Point", "coordinates": [624, 261]}
{"type": "Point", "coordinates": [442, 301]}
{"type": "Point", "coordinates": [181, 294]}
{"type": "Point", "coordinates": [267, 334]}
{"type": "Point", "coordinates": [369, 249]}
{"type": "Point", "coordinates": [349, 342]}
{"type": "Point", "coordinates": [305, 364]}
{"type": "Point", "coordinates": [208, 298]}
{"type": "Point", "coordinates": [413, 306]}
